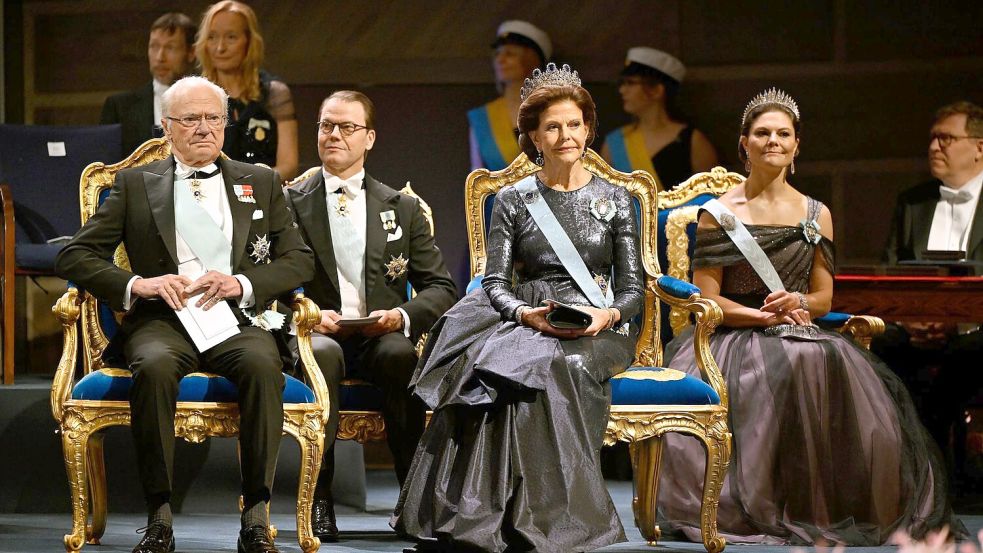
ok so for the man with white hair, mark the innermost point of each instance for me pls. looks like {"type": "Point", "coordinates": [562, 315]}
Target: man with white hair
{"type": "Point", "coordinates": [202, 229]}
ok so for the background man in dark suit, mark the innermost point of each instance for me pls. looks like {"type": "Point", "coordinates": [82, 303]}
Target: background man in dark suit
{"type": "Point", "coordinates": [943, 214]}
{"type": "Point", "coordinates": [368, 241]}
{"type": "Point", "coordinates": [195, 225]}
{"type": "Point", "coordinates": [171, 53]}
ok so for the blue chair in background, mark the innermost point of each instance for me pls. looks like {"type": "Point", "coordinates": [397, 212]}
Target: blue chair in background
{"type": "Point", "coordinates": [206, 407]}
{"type": "Point", "coordinates": [648, 400]}
{"type": "Point", "coordinates": [39, 175]}
{"type": "Point", "coordinates": [678, 212]}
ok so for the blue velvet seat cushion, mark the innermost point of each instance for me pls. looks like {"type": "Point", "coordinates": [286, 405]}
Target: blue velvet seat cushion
{"type": "Point", "coordinates": [660, 386]}
{"type": "Point", "coordinates": [114, 385]}
{"type": "Point", "coordinates": [677, 288]}
{"type": "Point", "coordinates": [37, 257]}
{"type": "Point", "coordinates": [474, 284]}
{"type": "Point", "coordinates": [359, 396]}
{"type": "Point", "coordinates": [832, 319]}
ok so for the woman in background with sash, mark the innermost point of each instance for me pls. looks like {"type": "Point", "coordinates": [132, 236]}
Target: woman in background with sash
{"type": "Point", "coordinates": [519, 47]}
{"type": "Point", "coordinates": [657, 140]}
{"type": "Point", "coordinates": [510, 458]}
{"type": "Point", "coordinates": [828, 447]}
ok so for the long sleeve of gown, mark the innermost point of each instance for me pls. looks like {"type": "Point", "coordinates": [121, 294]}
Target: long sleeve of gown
{"type": "Point", "coordinates": [629, 293]}
{"type": "Point", "coordinates": [497, 281]}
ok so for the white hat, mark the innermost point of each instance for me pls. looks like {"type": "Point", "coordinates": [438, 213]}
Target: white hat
{"type": "Point", "coordinates": [658, 60]}
{"type": "Point", "coordinates": [529, 31]}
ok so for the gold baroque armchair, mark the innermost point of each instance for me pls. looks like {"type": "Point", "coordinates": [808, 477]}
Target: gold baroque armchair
{"type": "Point", "coordinates": [678, 212]}
{"type": "Point", "coordinates": [92, 403]}
{"type": "Point", "coordinates": [647, 400]}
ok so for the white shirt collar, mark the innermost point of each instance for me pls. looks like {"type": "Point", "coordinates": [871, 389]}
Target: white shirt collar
{"type": "Point", "coordinates": [160, 88]}
{"type": "Point", "coordinates": [352, 184]}
{"type": "Point", "coordinates": [182, 171]}
{"type": "Point", "coordinates": [973, 186]}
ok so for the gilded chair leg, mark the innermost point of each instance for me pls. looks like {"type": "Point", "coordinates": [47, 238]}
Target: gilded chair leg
{"type": "Point", "coordinates": [311, 450]}
{"type": "Point", "coordinates": [96, 470]}
{"type": "Point", "coordinates": [74, 443]}
{"type": "Point", "coordinates": [646, 457]}
{"type": "Point", "coordinates": [718, 457]}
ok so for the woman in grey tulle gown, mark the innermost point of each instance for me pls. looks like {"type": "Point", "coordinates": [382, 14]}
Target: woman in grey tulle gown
{"type": "Point", "coordinates": [510, 458]}
{"type": "Point", "coordinates": [827, 444]}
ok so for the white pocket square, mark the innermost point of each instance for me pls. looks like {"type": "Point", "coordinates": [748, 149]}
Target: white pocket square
{"type": "Point", "coordinates": [393, 236]}
{"type": "Point", "coordinates": [258, 214]}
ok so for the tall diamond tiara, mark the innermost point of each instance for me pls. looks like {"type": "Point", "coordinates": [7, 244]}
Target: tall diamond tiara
{"type": "Point", "coordinates": [551, 77]}
{"type": "Point", "coordinates": [773, 96]}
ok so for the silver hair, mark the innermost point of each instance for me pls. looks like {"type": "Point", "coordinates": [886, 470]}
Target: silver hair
{"type": "Point", "coordinates": [184, 84]}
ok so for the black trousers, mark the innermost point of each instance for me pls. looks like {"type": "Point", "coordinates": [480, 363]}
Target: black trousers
{"type": "Point", "coordinates": [388, 362]}
{"type": "Point", "coordinates": [159, 353]}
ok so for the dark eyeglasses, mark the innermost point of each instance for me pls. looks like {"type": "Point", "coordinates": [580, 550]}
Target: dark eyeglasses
{"type": "Point", "coordinates": [946, 139]}
{"type": "Point", "coordinates": [346, 129]}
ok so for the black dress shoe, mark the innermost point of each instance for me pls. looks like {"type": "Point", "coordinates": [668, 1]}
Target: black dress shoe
{"type": "Point", "coordinates": [157, 538]}
{"type": "Point", "coordinates": [323, 521]}
{"type": "Point", "coordinates": [256, 539]}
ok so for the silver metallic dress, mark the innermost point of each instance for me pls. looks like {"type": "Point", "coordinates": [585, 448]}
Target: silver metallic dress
{"type": "Point", "coordinates": [827, 444]}
{"type": "Point", "coordinates": [510, 458]}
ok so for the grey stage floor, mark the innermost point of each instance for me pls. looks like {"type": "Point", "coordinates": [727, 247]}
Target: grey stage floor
{"type": "Point", "coordinates": [361, 531]}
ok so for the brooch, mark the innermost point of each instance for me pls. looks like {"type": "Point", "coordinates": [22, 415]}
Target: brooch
{"type": "Point", "coordinates": [396, 267]}
{"type": "Point", "coordinates": [602, 283]}
{"type": "Point", "coordinates": [728, 222]}
{"type": "Point", "coordinates": [811, 231]}
{"type": "Point", "coordinates": [259, 128]}
{"type": "Point", "coordinates": [602, 209]}
{"type": "Point", "coordinates": [388, 220]}
{"type": "Point", "coordinates": [530, 197]}
{"type": "Point", "coordinates": [261, 249]}
{"type": "Point", "coordinates": [243, 192]}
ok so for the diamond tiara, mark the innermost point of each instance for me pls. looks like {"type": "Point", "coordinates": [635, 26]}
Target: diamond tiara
{"type": "Point", "coordinates": [551, 77]}
{"type": "Point", "coordinates": [773, 96]}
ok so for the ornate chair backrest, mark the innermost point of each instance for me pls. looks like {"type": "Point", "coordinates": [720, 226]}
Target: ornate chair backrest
{"type": "Point", "coordinates": [678, 212]}
{"type": "Point", "coordinates": [479, 195]}
{"type": "Point", "coordinates": [98, 321]}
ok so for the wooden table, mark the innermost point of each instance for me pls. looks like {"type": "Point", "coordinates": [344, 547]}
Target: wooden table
{"type": "Point", "coordinates": [911, 298]}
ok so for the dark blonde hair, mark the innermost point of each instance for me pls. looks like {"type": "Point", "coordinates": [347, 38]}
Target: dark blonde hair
{"type": "Point", "coordinates": [249, 70]}
{"type": "Point", "coordinates": [973, 113]}
{"type": "Point", "coordinates": [540, 100]}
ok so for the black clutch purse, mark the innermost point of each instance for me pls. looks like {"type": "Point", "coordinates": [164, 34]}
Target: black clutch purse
{"type": "Point", "coordinates": [567, 316]}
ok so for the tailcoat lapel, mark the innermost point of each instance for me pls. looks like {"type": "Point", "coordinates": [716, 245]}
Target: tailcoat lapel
{"type": "Point", "coordinates": [242, 212]}
{"type": "Point", "coordinates": [922, 215]}
{"type": "Point", "coordinates": [377, 200]}
{"type": "Point", "coordinates": [976, 233]}
{"type": "Point", "coordinates": [311, 208]}
{"type": "Point", "coordinates": [160, 195]}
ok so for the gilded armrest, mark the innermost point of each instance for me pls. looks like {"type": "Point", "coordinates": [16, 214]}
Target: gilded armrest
{"type": "Point", "coordinates": [707, 315]}
{"type": "Point", "coordinates": [67, 309]}
{"type": "Point", "coordinates": [863, 328]}
{"type": "Point", "coordinates": [306, 316]}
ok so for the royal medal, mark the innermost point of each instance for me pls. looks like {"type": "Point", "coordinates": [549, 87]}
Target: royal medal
{"type": "Point", "coordinates": [388, 220]}
{"type": "Point", "coordinates": [244, 193]}
{"type": "Point", "coordinates": [602, 209]}
{"type": "Point", "coordinates": [261, 249]}
{"type": "Point", "coordinates": [728, 222]}
{"type": "Point", "coordinates": [396, 267]}
{"type": "Point", "coordinates": [196, 190]}
{"type": "Point", "coordinates": [260, 134]}
{"type": "Point", "coordinates": [341, 208]}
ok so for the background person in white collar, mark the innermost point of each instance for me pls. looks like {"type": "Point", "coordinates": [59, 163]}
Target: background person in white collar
{"type": "Point", "coordinates": [368, 242]}
{"type": "Point", "coordinates": [943, 214]}
{"type": "Point", "coordinates": [171, 54]}
{"type": "Point", "coordinates": [246, 241]}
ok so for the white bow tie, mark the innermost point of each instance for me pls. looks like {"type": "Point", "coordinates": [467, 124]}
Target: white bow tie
{"type": "Point", "coordinates": [351, 186]}
{"type": "Point", "coordinates": [954, 196]}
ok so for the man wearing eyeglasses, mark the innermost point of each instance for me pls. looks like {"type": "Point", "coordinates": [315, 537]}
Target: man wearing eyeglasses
{"type": "Point", "coordinates": [943, 214]}
{"type": "Point", "coordinates": [368, 242]}
{"type": "Point", "coordinates": [198, 230]}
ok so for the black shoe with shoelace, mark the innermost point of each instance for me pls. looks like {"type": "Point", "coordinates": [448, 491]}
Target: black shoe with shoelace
{"type": "Point", "coordinates": [157, 538]}
{"type": "Point", "coordinates": [256, 539]}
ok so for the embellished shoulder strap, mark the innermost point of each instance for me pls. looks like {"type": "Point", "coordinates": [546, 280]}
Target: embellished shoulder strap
{"type": "Point", "coordinates": [815, 207]}
{"type": "Point", "coordinates": [742, 238]}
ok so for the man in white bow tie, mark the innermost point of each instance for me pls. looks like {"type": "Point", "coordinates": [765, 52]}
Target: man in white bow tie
{"type": "Point", "coordinates": [369, 241]}
{"type": "Point", "coordinates": [942, 214]}
{"type": "Point", "coordinates": [204, 230]}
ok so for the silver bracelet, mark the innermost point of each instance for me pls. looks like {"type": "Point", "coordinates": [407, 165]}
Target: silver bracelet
{"type": "Point", "coordinates": [803, 301]}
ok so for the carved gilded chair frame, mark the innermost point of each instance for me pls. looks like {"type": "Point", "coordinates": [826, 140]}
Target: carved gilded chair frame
{"type": "Point", "coordinates": [81, 420]}
{"type": "Point", "coordinates": [642, 426]}
{"type": "Point", "coordinates": [717, 181]}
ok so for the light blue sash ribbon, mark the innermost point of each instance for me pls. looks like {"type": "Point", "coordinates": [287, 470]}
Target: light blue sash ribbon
{"type": "Point", "coordinates": [742, 238]}
{"type": "Point", "coordinates": [561, 244]}
{"type": "Point", "coordinates": [200, 233]}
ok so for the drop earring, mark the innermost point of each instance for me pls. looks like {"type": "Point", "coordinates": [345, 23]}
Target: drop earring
{"type": "Point", "coordinates": [747, 166]}
{"type": "Point", "coordinates": [539, 158]}
{"type": "Point", "coordinates": [792, 167]}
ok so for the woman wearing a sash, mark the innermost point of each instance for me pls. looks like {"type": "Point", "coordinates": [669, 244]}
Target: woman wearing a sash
{"type": "Point", "coordinates": [519, 47]}
{"type": "Point", "coordinates": [828, 447]}
{"type": "Point", "coordinates": [657, 140]}
{"type": "Point", "coordinates": [510, 458]}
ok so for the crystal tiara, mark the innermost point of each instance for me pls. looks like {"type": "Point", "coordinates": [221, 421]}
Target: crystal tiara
{"type": "Point", "coordinates": [551, 77]}
{"type": "Point", "coordinates": [773, 96]}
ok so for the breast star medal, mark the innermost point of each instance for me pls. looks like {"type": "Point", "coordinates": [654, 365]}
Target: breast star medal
{"type": "Point", "coordinates": [261, 249]}
{"type": "Point", "coordinates": [396, 267]}
{"type": "Point", "coordinates": [602, 209]}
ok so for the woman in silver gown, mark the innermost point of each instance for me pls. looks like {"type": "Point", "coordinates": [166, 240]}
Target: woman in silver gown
{"type": "Point", "coordinates": [827, 444]}
{"type": "Point", "coordinates": [510, 458]}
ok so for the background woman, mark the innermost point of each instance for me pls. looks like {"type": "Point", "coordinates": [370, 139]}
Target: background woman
{"type": "Point", "coordinates": [510, 458]}
{"type": "Point", "coordinates": [657, 141]}
{"type": "Point", "coordinates": [262, 123]}
{"type": "Point", "coordinates": [827, 444]}
{"type": "Point", "coordinates": [519, 48]}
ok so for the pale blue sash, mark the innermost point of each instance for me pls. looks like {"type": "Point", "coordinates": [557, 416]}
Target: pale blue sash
{"type": "Point", "coordinates": [200, 233]}
{"type": "Point", "coordinates": [739, 234]}
{"type": "Point", "coordinates": [561, 244]}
